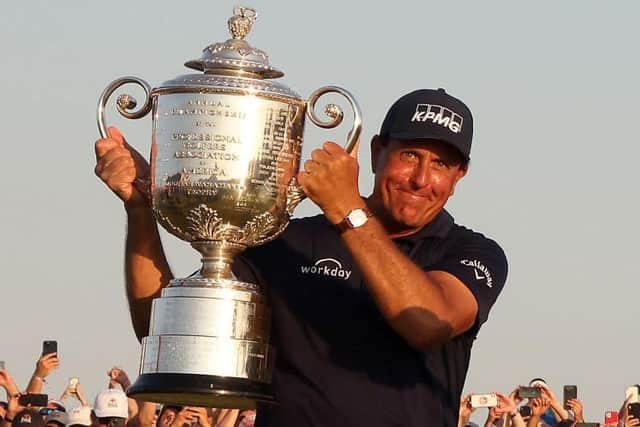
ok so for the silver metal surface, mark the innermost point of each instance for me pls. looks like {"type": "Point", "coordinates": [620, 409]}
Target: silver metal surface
{"type": "Point", "coordinates": [221, 165]}
{"type": "Point", "coordinates": [188, 354]}
{"type": "Point", "coordinates": [224, 313]}
{"type": "Point", "coordinates": [125, 102]}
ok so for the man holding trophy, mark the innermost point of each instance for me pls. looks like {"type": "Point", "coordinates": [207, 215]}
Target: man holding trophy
{"type": "Point", "coordinates": [376, 303]}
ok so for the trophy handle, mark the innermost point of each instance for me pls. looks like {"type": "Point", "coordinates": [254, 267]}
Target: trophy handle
{"type": "Point", "coordinates": [125, 103]}
{"type": "Point", "coordinates": [295, 194]}
{"type": "Point", "coordinates": [336, 114]}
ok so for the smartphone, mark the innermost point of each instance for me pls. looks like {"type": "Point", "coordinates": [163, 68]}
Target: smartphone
{"type": "Point", "coordinates": [73, 383]}
{"type": "Point", "coordinates": [528, 392]}
{"type": "Point", "coordinates": [2, 364]}
{"type": "Point", "coordinates": [49, 347]}
{"type": "Point", "coordinates": [39, 400]}
{"type": "Point", "coordinates": [569, 392]}
{"type": "Point", "coordinates": [487, 400]}
{"type": "Point", "coordinates": [525, 411]}
{"type": "Point", "coordinates": [634, 409]}
{"type": "Point", "coordinates": [631, 394]}
{"type": "Point", "coordinates": [611, 417]}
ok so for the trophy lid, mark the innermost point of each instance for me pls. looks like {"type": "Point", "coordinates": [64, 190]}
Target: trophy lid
{"type": "Point", "coordinates": [235, 56]}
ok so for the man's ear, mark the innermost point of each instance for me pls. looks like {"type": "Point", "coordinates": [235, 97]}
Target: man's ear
{"type": "Point", "coordinates": [376, 148]}
{"type": "Point", "coordinates": [461, 173]}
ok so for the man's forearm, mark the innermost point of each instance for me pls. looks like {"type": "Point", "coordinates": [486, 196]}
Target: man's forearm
{"type": "Point", "coordinates": [146, 267]}
{"type": "Point", "coordinates": [416, 304]}
{"type": "Point", "coordinates": [35, 384]}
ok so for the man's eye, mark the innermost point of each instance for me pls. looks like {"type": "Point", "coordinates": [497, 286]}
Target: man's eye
{"type": "Point", "coordinates": [409, 155]}
{"type": "Point", "coordinates": [440, 163]}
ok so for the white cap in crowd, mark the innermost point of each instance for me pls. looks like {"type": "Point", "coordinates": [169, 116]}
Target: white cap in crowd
{"type": "Point", "coordinates": [80, 416]}
{"type": "Point", "coordinates": [111, 403]}
{"type": "Point", "coordinates": [56, 417]}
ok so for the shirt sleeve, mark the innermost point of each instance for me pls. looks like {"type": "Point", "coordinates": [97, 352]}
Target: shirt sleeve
{"type": "Point", "coordinates": [479, 263]}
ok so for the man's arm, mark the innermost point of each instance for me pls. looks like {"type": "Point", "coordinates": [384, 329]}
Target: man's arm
{"type": "Point", "coordinates": [425, 308]}
{"type": "Point", "coordinates": [118, 165]}
{"type": "Point", "coordinates": [44, 366]}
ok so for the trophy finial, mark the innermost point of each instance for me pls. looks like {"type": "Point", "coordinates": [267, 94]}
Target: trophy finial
{"type": "Point", "coordinates": [241, 22]}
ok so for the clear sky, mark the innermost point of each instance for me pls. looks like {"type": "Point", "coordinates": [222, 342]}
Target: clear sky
{"type": "Point", "coordinates": [554, 90]}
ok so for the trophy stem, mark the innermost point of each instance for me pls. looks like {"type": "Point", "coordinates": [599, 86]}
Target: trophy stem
{"type": "Point", "coordinates": [217, 257]}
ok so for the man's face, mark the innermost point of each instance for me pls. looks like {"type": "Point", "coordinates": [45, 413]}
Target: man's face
{"type": "Point", "coordinates": [414, 179]}
{"type": "Point", "coordinates": [166, 418]}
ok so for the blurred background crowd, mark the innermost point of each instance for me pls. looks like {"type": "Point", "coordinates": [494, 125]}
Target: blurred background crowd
{"type": "Point", "coordinates": [29, 407]}
{"type": "Point", "coordinates": [532, 405]}
{"type": "Point", "coordinates": [536, 405]}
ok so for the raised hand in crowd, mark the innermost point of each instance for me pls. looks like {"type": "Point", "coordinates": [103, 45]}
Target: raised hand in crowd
{"type": "Point", "coordinates": [493, 415]}
{"type": "Point", "coordinates": [538, 408]}
{"type": "Point", "coordinates": [555, 403]}
{"type": "Point", "coordinates": [630, 420]}
{"type": "Point", "coordinates": [8, 384]}
{"type": "Point", "coordinates": [74, 391]}
{"type": "Point", "coordinates": [509, 409]}
{"type": "Point", "coordinates": [118, 377]}
{"type": "Point", "coordinates": [13, 409]}
{"type": "Point", "coordinates": [576, 407]}
{"type": "Point", "coordinates": [46, 364]}
{"type": "Point", "coordinates": [192, 415]}
{"type": "Point", "coordinates": [465, 410]}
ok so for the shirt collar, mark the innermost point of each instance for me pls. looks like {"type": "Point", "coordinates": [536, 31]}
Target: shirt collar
{"type": "Point", "coordinates": [439, 228]}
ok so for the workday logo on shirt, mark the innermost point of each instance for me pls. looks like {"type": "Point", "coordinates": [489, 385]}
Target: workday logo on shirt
{"type": "Point", "coordinates": [326, 267]}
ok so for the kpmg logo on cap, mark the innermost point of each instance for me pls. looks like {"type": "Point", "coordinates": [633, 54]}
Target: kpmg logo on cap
{"type": "Point", "coordinates": [439, 115]}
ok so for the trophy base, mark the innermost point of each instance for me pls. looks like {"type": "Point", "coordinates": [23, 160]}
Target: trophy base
{"type": "Point", "coordinates": [200, 390]}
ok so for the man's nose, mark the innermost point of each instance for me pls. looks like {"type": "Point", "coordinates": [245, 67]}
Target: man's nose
{"type": "Point", "coordinates": [421, 174]}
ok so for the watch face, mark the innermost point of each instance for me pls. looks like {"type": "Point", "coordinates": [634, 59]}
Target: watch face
{"type": "Point", "coordinates": [357, 217]}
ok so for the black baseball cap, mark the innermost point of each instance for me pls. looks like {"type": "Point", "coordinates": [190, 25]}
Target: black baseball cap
{"type": "Point", "coordinates": [28, 418]}
{"type": "Point", "coordinates": [430, 114]}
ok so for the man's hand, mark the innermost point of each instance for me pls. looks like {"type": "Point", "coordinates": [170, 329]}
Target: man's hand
{"type": "Point", "coordinates": [122, 168]}
{"type": "Point", "coordinates": [46, 364]}
{"type": "Point", "coordinates": [330, 180]}
{"type": "Point", "coordinates": [13, 407]}
{"type": "Point", "coordinates": [465, 408]}
{"type": "Point", "coordinates": [191, 414]}
{"type": "Point", "coordinates": [576, 406]}
{"type": "Point", "coordinates": [7, 383]}
{"type": "Point", "coordinates": [117, 376]}
{"type": "Point", "coordinates": [631, 421]}
{"type": "Point", "coordinates": [506, 404]}
{"type": "Point", "coordinates": [539, 407]}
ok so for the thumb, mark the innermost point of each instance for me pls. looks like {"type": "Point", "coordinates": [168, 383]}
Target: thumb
{"type": "Point", "coordinates": [115, 134]}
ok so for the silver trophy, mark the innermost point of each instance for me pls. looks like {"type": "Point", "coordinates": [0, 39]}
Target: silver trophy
{"type": "Point", "coordinates": [225, 152]}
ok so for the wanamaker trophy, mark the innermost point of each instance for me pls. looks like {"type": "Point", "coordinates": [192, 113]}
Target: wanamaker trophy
{"type": "Point", "coordinates": [225, 152]}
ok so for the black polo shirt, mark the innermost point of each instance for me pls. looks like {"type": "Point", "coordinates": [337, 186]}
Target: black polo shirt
{"type": "Point", "coordinates": [338, 363]}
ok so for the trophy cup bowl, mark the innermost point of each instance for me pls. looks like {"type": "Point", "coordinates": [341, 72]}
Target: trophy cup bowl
{"type": "Point", "coordinates": [225, 152]}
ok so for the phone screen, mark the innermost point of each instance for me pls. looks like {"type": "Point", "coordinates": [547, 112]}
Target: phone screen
{"type": "Point", "coordinates": [570, 392]}
{"type": "Point", "coordinates": [49, 347]}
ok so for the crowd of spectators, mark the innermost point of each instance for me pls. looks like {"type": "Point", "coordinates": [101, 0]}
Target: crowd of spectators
{"type": "Point", "coordinates": [540, 406]}
{"type": "Point", "coordinates": [543, 408]}
{"type": "Point", "coordinates": [111, 407]}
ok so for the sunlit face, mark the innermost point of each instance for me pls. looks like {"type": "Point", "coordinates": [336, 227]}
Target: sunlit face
{"type": "Point", "coordinates": [414, 179]}
{"type": "Point", "coordinates": [167, 417]}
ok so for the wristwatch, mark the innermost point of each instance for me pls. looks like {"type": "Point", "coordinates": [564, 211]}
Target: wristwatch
{"type": "Point", "coordinates": [354, 219]}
